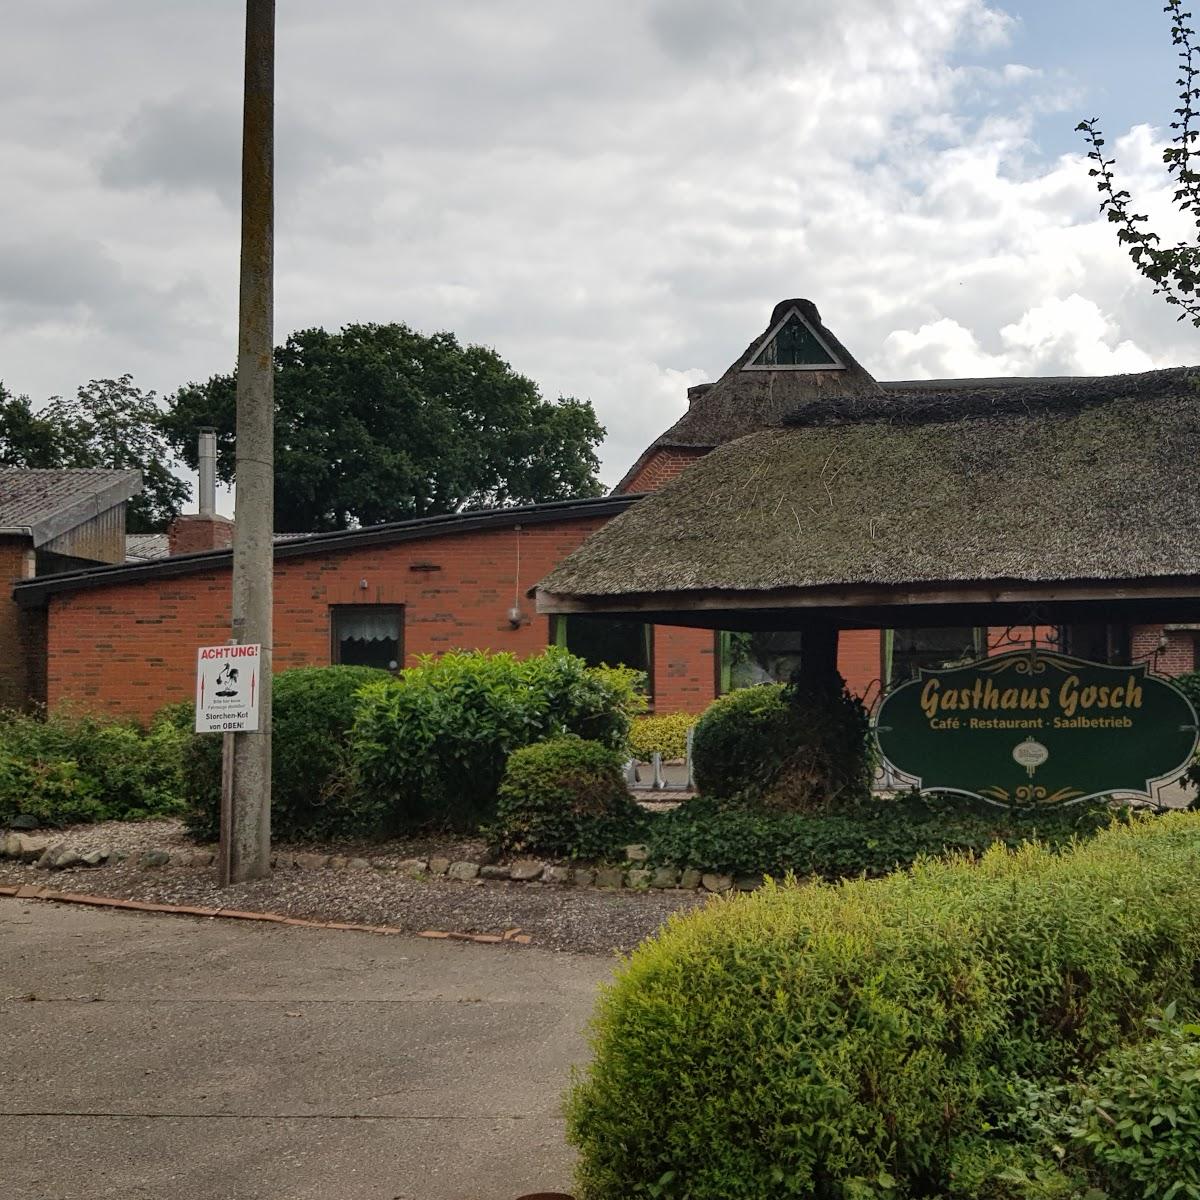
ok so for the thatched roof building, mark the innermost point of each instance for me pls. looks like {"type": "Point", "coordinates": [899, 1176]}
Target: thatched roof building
{"type": "Point", "coordinates": [852, 502]}
{"type": "Point", "coordinates": [759, 390]}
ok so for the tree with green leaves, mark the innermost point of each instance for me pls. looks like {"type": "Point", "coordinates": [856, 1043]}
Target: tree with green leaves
{"type": "Point", "coordinates": [380, 423]}
{"type": "Point", "coordinates": [109, 423]}
{"type": "Point", "coordinates": [1174, 270]}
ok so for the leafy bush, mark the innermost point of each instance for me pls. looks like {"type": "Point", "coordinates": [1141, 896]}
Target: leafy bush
{"type": "Point", "coordinates": [874, 839]}
{"type": "Point", "coordinates": [313, 789]}
{"type": "Point", "coordinates": [1136, 1120]}
{"type": "Point", "coordinates": [565, 797]}
{"type": "Point", "coordinates": [665, 735]}
{"type": "Point", "coordinates": [792, 748]}
{"type": "Point", "coordinates": [854, 1040]}
{"type": "Point", "coordinates": [432, 743]}
{"type": "Point", "coordinates": [65, 767]}
{"type": "Point", "coordinates": [740, 739]}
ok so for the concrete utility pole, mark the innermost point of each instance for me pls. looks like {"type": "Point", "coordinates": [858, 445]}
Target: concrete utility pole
{"type": "Point", "coordinates": [254, 517]}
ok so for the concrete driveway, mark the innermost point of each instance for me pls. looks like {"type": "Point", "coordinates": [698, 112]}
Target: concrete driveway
{"type": "Point", "coordinates": [164, 1057]}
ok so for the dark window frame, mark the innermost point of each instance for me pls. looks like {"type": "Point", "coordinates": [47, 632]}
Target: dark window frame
{"type": "Point", "coordinates": [335, 642]}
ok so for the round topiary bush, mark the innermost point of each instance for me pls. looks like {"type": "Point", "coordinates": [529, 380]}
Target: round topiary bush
{"type": "Point", "coordinates": [855, 1040]}
{"type": "Point", "coordinates": [313, 789]}
{"type": "Point", "coordinates": [565, 797]}
{"type": "Point", "coordinates": [791, 748]}
{"type": "Point", "coordinates": [740, 740]}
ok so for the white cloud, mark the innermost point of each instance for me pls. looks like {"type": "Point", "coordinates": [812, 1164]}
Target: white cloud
{"type": "Point", "coordinates": [614, 196]}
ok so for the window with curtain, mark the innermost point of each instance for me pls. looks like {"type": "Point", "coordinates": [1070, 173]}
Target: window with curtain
{"type": "Point", "coordinates": [367, 635]}
{"type": "Point", "coordinates": [601, 641]}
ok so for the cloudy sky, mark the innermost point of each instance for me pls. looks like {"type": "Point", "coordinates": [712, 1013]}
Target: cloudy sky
{"type": "Point", "coordinates": [612, 193]}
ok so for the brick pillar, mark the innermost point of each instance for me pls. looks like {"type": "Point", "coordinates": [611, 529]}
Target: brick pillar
{"type": "Point", "coordinates": [195, 532]}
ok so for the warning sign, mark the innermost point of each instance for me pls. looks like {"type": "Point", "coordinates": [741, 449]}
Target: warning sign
{"type": "Point", "coordinates": [227, 689]}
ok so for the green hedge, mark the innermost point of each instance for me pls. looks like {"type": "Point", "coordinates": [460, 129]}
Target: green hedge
{"type": "Point", "coordinates": [565, 797]}
{"type": "Point", "coordinates": [873, 839]}
{"type": "Point", "coordinates": [858, 1040]}
{"type": "Point", "coordinates": [314, 793]}
{"type": "Point", "coordinates": [665, 735]}
{"type": "Point", "coordinates": [433, 742]}
{"type": "Point", "coordinates": [64, 767]}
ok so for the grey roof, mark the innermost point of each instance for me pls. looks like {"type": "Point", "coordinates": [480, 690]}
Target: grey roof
{"type": "Point", "coordinates": [43, 504]}
{"type": "Point", "coordinates": [1083, 480]}
{"type": "Point", "coordinates": [144, 547]}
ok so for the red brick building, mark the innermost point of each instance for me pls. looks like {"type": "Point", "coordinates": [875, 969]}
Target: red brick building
{"type": "Point", "coordinates": [123, 638]}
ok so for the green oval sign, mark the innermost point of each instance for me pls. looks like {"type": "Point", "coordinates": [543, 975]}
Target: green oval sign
{"type": "Point", "coordinates": [1036, 728]}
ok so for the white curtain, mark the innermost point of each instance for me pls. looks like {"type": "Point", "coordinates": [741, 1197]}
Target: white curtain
{"type": "Point", "coordinates": [365, 626]}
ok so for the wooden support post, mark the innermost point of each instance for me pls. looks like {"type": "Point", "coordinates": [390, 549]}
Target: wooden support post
{"type": "Point", "coordinates": [818, 655]}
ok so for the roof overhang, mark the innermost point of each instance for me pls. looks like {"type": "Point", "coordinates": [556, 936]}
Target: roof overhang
{"type": "Point", "coordinates": [854, 606]}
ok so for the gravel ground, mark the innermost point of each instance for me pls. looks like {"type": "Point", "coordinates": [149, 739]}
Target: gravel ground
{"type": "Point", "coordinates": [579, 920]}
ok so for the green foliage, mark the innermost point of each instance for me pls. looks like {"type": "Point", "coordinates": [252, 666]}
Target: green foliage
{"type": "Point", "coordinates": [1174, 270]}
{"type": "Point", "coordinates": [873, 839]}
{"type": "Point", "coordinates": [432, 743]}
{"type": "Point", "coordinates": [740, 739]}
{"type": "Point", "coordinates": [110, 423]}
{"type": "Point", "coordinates": [858, 1039]}
{"type": "Point", "coordinates": [665, 735]}
{"type": "Point", "coordinates": [64, 768]}
{"type": "Point", "coordinates": [1135, 1124]}
{"type": "Point", "coordinates": [314, 793]}
{"type": "Point", "coordinates": [786, 747]}
{"type": "Point", "coordinates": [565, 797]}
{"type": "Point", "coordinates": [378, 423]}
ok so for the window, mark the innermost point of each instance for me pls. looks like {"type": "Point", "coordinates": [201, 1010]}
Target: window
{"type": "Point", "coordinates": [1096, 642]}
{"type": "Point", "coordinates": [614, 643]}
{"type": "Point", "coordinates": [794, 343]}
{"type": "Point", "coordinates": [746, 659]}
{"type": "Point", "coordinates": [367, 635]}
{"type": "Point", "coordinates": [906, 651]}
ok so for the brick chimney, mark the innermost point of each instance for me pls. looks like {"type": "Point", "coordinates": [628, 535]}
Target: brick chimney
{"type": "Point", "coordinates": [190, 533]}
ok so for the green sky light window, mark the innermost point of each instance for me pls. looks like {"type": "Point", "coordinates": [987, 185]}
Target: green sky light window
{"type": "Point", "coordinates": [794, 343]}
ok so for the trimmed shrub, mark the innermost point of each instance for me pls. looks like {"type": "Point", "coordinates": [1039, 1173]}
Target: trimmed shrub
{"type": "Point", "coordinates": [665, 735]}
{"type": "Point", "coordinates": [565, 797]}
{"type": "Point", "coordinates": [854, 1040]}
{"type": "Point", "coordinates": [875, 838]}
{"type": "Point", "coordinates": [432, 743]}
{"type": "Point", "coordinates": [313, 790]}
{"type": "Point", "coordinates": [740, 739]}
{"type": "Point", "coordinates": [64, 767]}
{"type": "Point", "coordinates": [791, 748]}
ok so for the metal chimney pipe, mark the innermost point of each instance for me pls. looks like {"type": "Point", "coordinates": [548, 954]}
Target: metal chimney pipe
{"type": "Point", "coordinates": [208, 472]}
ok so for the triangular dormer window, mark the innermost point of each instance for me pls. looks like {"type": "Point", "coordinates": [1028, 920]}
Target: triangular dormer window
{"type": "Point", "coordinates": [794, 345]}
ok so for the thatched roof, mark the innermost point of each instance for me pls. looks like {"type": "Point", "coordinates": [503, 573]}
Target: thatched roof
{"type": "Point", "coordinates": [1090, 479]}
{"type": "Point", "coordinates": [749, 396]}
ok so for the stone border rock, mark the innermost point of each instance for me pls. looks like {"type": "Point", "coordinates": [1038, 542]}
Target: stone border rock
{"type": "Point", "coordinates": [635, 874]}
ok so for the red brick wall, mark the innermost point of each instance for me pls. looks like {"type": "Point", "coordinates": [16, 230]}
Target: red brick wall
{"type": "Point", "coordinates": [685, 669]}
{"type": "Point", "coordinates": [130, 648]}
{"type": "Point", "coordinates": [16, 562]}
{"type": "Point", "coordinates": [661, 467]}
{"type": "Point", "coordinates": [1178, 657]}
{"type": "Point", "coordinates": [859, 661]}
